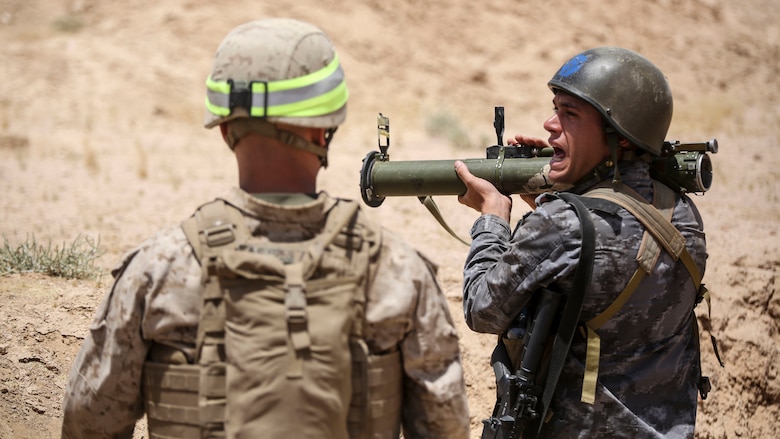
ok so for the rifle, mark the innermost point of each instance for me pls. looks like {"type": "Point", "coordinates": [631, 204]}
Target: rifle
{"type": "Point", "coordinates": [519, 393]}
{"type": "Point", "coordinates": [515, 169]}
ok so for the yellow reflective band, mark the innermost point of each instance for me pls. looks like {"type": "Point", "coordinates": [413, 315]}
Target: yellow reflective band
{"type": "Point", "coordinates": [222, 88]}
{"type": "Point", "coordinates": [316, 94]}
{"type": "Point", "coordinates": [219, 87]}
{"type": "Point", "coordinates": [219, 111]}
{"type": "Point", "coordinates": [306, 80]}
{"type": "Point", "coordinates": [317, 106]}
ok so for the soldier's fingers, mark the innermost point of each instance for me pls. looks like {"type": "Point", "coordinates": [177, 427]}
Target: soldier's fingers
{"type": "Point", "coordinates": [463, 172]}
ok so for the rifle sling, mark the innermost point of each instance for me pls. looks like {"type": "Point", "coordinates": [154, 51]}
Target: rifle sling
{"type": "Point", "coordinates": [571, 312]}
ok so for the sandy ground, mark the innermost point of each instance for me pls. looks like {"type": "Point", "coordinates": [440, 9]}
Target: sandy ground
{"type": "Point", "coordinates": [100, 136]}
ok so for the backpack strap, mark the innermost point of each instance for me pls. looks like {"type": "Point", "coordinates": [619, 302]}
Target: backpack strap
{"type": "Point", "coordinates": [657, 224]}
{"type": "Point", "coordinates": [649, 252]}
{"type": "Point", "coordinates": [299, 340]}
{"type": "Point", "coordinates": [214, 227]}
{"type": "Point", "coordinates": [658, 231]}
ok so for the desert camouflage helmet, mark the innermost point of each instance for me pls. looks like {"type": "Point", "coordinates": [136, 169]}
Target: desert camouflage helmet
{"type": "Point", "coordinates": [279, 69]}
{"type": "Point", "coordinates": [630, 92]}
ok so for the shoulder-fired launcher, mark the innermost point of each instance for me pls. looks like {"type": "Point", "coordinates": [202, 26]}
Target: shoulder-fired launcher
{"type": "Point", "coordinates": [516, 169]}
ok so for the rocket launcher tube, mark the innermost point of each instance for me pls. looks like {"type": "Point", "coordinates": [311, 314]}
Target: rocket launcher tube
{"type": "Point", "coordinates": [438, 177]}
{"type": "Point", "coordinates": [515, 169]}
{"type": "Point", "coordinates": [686, 171]}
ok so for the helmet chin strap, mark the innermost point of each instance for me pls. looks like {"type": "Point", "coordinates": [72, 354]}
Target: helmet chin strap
{"type": "Point", "coordinates": [602, 169]}
{"type": "Point", "coordinates": [612, 142]}
{"type": "Point", "coordinates": [239, 128]}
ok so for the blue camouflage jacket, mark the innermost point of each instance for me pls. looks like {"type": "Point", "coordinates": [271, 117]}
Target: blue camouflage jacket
{"type": "Point", "coordinates": [649, 366]}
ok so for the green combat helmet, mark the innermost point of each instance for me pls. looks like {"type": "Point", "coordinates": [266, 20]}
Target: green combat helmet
{"type": "Point", "coordinates": [630, 92]}
{"type": "Point", "coordinates": [276, 71]}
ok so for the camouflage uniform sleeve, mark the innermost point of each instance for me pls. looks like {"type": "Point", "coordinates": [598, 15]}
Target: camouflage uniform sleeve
{"type": "Point", "coordinates": [103, 397]}
{"type": "Point", "coordinates": [407, 308]}
{"type": "Point", "coordinates": [503, 270]}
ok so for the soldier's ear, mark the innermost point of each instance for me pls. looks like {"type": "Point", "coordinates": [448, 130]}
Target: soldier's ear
{"type": "Point", "coordinates": [624, 143]}
{"type": "Point", "coordinates": [223, 128]}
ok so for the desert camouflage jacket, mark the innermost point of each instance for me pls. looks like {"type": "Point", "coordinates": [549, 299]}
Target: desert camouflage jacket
{"type": "Point", "coordinates": [155, 298]}
{"type": "Point", "coordinates": [649, 369]}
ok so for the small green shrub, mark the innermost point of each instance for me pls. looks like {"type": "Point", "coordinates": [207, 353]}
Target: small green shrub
{"type": "Point", "coordinates": [74, 261]}
{"type": "Point", "coordinates": [69, 24]}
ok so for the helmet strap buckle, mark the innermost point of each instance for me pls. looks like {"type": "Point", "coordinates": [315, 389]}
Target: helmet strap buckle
{"type": "Point", "coordinates": [240, 95]}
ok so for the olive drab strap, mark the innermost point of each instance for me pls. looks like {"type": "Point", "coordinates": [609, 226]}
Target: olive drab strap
{"type": "Point", "coordinates": [215, 227]}
{"type": "Point", "coordinates": [429, 204]}
{"type": "Point", "coordinates": [659, 233]}
{"type": "Point", "coordinates": [649, 252]}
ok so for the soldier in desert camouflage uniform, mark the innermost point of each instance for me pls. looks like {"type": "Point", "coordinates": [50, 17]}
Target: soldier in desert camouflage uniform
{"type": "Point", "coordinates": [153, 308]}
{"type": "Point", "coordinates": [611, 106]}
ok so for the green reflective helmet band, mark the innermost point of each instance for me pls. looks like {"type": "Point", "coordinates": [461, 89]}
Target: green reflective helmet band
{"type": "Point", "coordinates": [316, 94]}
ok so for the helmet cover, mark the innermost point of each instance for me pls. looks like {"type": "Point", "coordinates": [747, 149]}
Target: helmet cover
{"type": "Point", "coordinates": [282, 70]}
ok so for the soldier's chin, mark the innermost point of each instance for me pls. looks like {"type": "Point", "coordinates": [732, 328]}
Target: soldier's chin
{"type": "Point", "coordinates": [557, 168]}
{"type": "Point", "coordinates": [555, 177]}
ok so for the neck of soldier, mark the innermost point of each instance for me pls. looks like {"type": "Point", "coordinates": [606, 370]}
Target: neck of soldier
{"type": "Point", "coordinates": [268, 166]}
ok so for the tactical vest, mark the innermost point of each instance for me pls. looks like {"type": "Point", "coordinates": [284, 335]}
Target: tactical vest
{"type": "Point", "coordinates": [280, 349]}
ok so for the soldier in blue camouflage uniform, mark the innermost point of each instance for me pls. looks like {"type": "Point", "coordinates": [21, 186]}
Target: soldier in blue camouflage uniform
{"type": "Point", "coordinates": [155, 301]}
{"type": "Point", "coordinates": [611, 106]}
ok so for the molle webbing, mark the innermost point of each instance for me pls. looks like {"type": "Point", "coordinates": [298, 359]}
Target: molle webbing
{"type": "Point", "coordinates": [171, 398]}
{"type": "Point", "coordinates": [171, 393]}
{"type": "Point", "coordinates": [377, 393]}
{"type": "Point", "coordinates": [216, 227]}
{"type": "Point", "coordinates": [191, 400]}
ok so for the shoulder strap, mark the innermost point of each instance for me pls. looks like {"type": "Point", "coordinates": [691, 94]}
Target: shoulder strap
{"type": "Point", "coordinates": [659, 230]}
{"type": "Point", "coordinates": [649, 252]}
{"type": "Point", "coordinates": [654, 221]}
{"type": "Point", "coordinates": [214, 227]}
{"type": "Point", "coordinates": [295, 284]}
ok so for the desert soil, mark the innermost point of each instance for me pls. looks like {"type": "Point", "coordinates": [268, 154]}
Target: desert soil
{"type": "Point", "coordinates": [101, 108]}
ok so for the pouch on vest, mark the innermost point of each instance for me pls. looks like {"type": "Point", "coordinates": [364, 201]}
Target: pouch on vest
{"type": "Point", "coordinates": [279, 326]}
